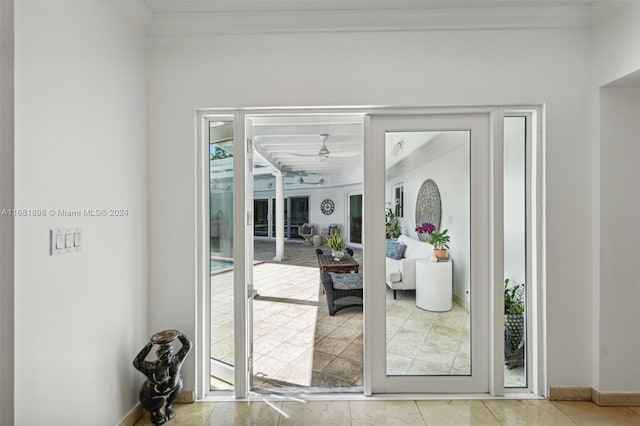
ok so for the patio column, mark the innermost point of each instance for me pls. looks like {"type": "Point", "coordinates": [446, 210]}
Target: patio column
{"type": "Point", "coordinates": [279, 216]}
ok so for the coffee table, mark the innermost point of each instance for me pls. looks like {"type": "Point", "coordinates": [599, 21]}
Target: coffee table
{"type": "Point", "coordinates": [327, 263]}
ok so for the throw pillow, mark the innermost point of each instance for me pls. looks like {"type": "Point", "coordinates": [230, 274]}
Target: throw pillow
{"type": "Point", "coordinates": [306, 229]}
{"type": "Point", "coordinates": [395, 250]}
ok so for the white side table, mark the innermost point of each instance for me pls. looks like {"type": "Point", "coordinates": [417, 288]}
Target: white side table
{"type": "Point", "coordinates": [434, 286]}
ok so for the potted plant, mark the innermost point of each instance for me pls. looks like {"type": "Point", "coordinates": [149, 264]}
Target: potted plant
{"type": "Point", "coordinates": [440, 242]}
{"type": "Point", "coordinates": [392, 225]}
{"type": "Point", "coordinates": [514, 323]}
{"type": "Point", "coordinates": [336, 242]}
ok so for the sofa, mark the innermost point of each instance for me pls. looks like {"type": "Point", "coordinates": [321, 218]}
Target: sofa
{"type": "Point", "coordinates": [401, 273]}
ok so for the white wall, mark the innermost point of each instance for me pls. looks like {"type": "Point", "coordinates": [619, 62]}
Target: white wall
{"type": "Point", "coordinates": [616, 43]}
{"type": "Point", "coordinates": [614, 141]}
{"type": "Point", "coordinates": [451, 173]}
{"type": "Point", "coordinates": [80, 144]}
{"type": "Point", "coordinates": [7, 223]}
{"type": "Point", "coordinates": [366, 68]}
{"type": "Point", "coordinates": [620, 243]}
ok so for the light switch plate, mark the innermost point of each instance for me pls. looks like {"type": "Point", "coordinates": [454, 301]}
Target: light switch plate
{"type": "Point", "coordinates": [65, 240]}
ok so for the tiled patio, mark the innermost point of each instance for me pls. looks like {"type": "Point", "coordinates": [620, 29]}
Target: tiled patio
{"type": "Point", "coordinates": [297, 344]}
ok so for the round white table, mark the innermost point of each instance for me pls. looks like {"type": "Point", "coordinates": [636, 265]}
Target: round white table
{"type": "Point", "coordinates": [434, 286]}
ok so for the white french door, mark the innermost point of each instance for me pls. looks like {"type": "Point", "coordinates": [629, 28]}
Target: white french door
{"type": "Point", "coordinates": [450, 166]}
{"type": "Point", "coordinates": [226, 247]}
{"type": "Point", "coordinates": [444, 162]}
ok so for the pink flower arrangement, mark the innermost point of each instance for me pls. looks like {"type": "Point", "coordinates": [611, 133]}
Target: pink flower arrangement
{"type": "Point", "coordinates": [425, 228]}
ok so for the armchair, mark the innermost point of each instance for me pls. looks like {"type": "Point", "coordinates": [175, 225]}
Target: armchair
{"type": "Point", "coordinates": [307, 230]}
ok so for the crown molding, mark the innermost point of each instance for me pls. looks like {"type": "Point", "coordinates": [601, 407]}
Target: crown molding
{"type": "Point", "coordinates": [136, 11]}
{"type": "Point", "coordinates": [600, 11]}
{"type": "Point", "coordinates": [503, 18]}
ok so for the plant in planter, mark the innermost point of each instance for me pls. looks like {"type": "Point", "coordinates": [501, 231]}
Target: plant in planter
{"type": "Point", "coordinates": [440, 242]}
{"type": "Point", "coordinates": [336, 242]}
{"type": "Point", "coordinates": [514, 323]}
{"type": "Point", "coordinates": [392, 225]}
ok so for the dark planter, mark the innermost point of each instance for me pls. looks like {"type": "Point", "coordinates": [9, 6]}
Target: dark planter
{"type": "Point", "coordinates": [514, 340]}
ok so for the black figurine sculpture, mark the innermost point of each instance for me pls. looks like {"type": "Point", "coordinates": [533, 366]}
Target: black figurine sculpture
{"type": "Point", "coordinates": [164, 382]}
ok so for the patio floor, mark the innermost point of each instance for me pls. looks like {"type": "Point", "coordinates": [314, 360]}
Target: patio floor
{"type": "Point", "coordinates": [297, 344]}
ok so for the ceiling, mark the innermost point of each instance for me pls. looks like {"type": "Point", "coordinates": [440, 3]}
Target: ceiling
{"type": "Point", "coordinates": [291, 144]}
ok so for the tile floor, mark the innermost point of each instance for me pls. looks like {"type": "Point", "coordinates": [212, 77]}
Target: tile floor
{"type": "Point", "coordinates": [376, 412]}
{"type": "Point", "coordinates": [296, 342]}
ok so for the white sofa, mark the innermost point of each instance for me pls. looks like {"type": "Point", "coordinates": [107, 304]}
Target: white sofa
{"type": "Point", "coordinates": [401, 273]}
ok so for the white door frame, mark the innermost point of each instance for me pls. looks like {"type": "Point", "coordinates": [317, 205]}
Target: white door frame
{"type": "Point", "coordinates": [373, 222]}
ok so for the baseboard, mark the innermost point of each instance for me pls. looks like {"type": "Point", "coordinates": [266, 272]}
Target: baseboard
{"type": "Point", "coordinates": [603, 399]}
{"type": "Point", "coordinates": [460, 301]}
{"type": "Point", "coordinates": [136, 413]}
{"type": "Point", "coordinates": [133, 417]}
{"type": "Point", "coordinates": [570, 394]}
{"type": "Point", "coordinates": [616, 399]}
{"type": "Point", "coordinates": [186, 397]}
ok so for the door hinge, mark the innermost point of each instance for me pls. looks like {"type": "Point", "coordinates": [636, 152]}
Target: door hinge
{"type": "Point", "coordinates": [250, 291]}
{"type": "Point", "coordinates": [249, 146]}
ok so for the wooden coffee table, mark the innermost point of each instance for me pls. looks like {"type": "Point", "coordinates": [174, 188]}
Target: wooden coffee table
{"type": "Point", "coordinates": [327, 263]}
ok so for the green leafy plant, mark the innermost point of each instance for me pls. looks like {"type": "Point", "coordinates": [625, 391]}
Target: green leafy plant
{"type": "Point", "coordinates": [513, 298]}
{"type": "Point", "coordinates": [335, 241]}
{"type": "Point", "coordinates": [392, 225]}
{"type": "Point", "coordinates": [440, 240]}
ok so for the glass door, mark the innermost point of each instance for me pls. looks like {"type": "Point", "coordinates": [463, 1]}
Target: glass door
{"type": "Point", "coordinates": [355, 219]}
{"type": "Point", "coordinates": [261, 217]}
{"type": "Point", "coordinates": [299, 215]}
{"type": "Point", "coordinates": [434, 311]}
{"type": "Point", "coordinates": [228, 255]}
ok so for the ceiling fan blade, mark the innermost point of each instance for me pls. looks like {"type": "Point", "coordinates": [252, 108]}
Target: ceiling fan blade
{"type": "Point", "coordinates": [302, 155]}
{"type": "Point", "coordinates": [344, 154]}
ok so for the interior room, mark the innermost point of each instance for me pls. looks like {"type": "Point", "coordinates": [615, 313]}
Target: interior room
{"type": "Point", "coordinates": [103, 106]}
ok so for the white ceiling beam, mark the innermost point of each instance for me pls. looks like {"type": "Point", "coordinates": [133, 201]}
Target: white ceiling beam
{"type": "Point", "coordinates": [308, 130]}
{"type": "Point", "coordinates": [266, 156]}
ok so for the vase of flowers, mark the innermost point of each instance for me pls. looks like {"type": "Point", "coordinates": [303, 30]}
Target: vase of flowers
{"type": "Point", "coordinates": [439, 240]}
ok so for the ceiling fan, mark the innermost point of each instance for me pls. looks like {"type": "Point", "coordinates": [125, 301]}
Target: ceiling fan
{"type": "Point", "coordinates": [324, 152]}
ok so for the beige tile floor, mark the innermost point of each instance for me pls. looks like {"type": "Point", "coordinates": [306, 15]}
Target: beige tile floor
{"type": "Point", "coordinates": [376, 412]}
{"type": "Point", "coordinates": [296, 342]}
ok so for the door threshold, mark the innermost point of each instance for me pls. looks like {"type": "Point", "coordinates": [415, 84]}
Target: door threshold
{"type": "Point", "coordinates": [346, 396]}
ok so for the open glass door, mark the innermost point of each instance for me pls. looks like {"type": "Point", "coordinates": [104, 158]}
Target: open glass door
{"type": "Point", "coordinates": [435, 313]}
{"type": "Point", "coordinates": [221, 223]}
{"type": "Point", "coordinates": [230, 245]}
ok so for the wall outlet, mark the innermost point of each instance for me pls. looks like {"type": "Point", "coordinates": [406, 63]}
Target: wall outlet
{"type": "Point", "coordinates": [65, 240]}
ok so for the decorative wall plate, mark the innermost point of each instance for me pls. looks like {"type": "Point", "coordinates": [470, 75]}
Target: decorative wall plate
{"type": "Point", "coordinates": [327, 207]}
{"type": "Point", "coordinates": [428, 207]}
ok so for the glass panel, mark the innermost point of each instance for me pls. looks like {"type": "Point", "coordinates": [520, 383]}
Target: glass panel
{"type": "Point", "coordinates": [515, 270]}
{"type": "Point", "coordinates": [428, 300]}
{"type": "Point", "coordinates": [398, 200]}
{"type": "Point", "coordinates": [261, 218]}
{"type": "Point", "coordinates": [299, 215]}
{"type": "Point", "coordinates": [355, 218]}
{"type": "Point", "coordinates": [221, 252]}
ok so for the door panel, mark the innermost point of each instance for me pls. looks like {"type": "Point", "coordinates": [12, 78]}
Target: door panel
{"type": "Point", "coordinates": [436, 330]}
{"type": "Point", "coordinates": [221, 207]}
